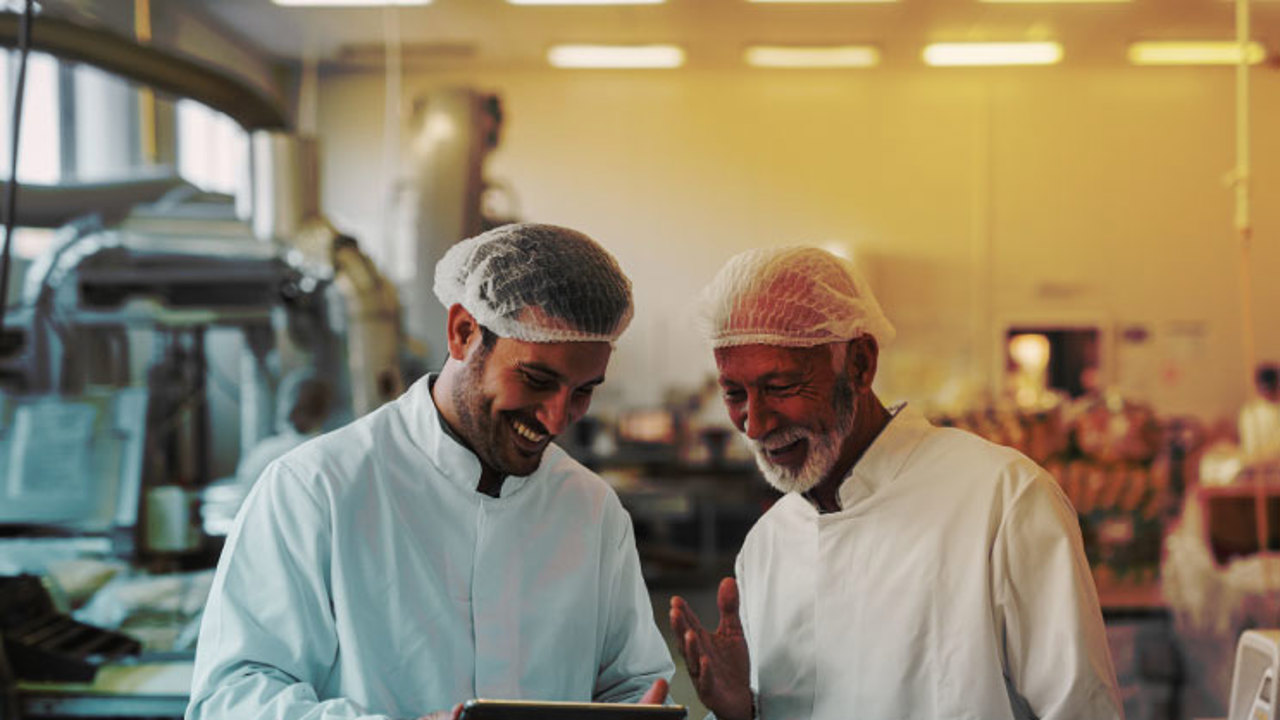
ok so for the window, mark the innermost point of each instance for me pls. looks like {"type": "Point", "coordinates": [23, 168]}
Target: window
{"type": "Point", "coordinates": [105, 142]}
{"type": "Point", "coordinates": [40, 149]}
{"type": "Point", "coordinates": [213, 151]}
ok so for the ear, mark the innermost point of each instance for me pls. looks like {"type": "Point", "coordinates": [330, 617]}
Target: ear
{"type": "Point", "coordinates": [464, 332]}
{"type": "Point", "coordinates": [860, 361]}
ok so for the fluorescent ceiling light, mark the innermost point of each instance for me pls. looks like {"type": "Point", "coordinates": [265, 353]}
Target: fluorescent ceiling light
{"type": "Point", "coordinates": [348, 3]}
{"type": "Point", "coordinates": [836, 56]}
{"type": "Point", "coordinates": [1056, 2]}
{"type": "Point", "coordinates": [829, 2]}
{"type": "Point", "coordinates": [988, 54]}
{"type": "Point", "coordinates": [616, 56]}
{"type": "Point", "coordinates": [1194, 53]}
{"type": "Point", "coordinates": [586, 2]}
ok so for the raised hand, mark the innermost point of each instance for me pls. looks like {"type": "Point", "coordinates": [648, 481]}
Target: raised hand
{"type": "Point", "coordinates": [718, 662]}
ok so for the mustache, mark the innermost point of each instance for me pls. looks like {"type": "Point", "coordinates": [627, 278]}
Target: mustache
{"type": "Point", "coordinates": [781, 438]}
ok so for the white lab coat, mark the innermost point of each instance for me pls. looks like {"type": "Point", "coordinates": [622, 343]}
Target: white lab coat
{"type": "Point", "coordinates": [953, 565]}
{"type": "Point", "coordinates": [1259, 426]}
{"type": "Point", "coordinates": [366, 577]}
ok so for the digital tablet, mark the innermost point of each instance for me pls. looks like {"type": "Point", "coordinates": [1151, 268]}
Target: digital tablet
{"type": "Point", "coordinates": [531, 710]}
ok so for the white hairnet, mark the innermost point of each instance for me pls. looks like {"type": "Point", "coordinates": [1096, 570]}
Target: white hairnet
{"type": "Point", "coordinates": [792, 297]}
{"type": "Point", "coordinates": [537, 283]}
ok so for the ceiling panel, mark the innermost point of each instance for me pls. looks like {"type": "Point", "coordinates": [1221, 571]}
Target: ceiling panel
{"type": "Point", "coordinates": [492, 34]}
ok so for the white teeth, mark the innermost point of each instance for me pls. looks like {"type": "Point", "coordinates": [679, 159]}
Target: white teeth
{"type": "Point", "coordinates": [776, 449]}
{"type": "Point", "coordinates": [526, 432]}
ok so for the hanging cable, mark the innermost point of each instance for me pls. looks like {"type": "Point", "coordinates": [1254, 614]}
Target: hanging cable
{"type": "Point", "coordinates": [1242, 180]}
{"type": "Point", "coordinates": [11, 190]}
{"type": "Point", "coordinates": [389, 243]}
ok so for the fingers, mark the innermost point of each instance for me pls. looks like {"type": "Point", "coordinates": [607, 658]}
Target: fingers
{"type": "Point", "coordinates": [676, 616]}
{"type": "Point", "coordinates": [688, 632]}
{"type": "Point", "coordinates": [697, 664]}
{"type": "Point", "coordinates": [656, 694]}
{"type": "Point", "coordinates": [691, 648]}
{"type": "Point", "coordinates": [727, 601]}
{"type": "Point", "coordinates": [681, 630]}
{"type": "Point", "coordinates": [457, 712]}
{"type": "Point", "coordinates": [686, 613]}
{"type": "Point", "coordinates": [704, 682]}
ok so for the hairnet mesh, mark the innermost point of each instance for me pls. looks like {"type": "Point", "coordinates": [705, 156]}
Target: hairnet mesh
{"type": "Point", "coordinates": [792, 297]}
{"type": "Point", "coordinates": [537, 283]}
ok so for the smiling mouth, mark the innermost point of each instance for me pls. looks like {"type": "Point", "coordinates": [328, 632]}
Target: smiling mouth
{"type": "Point", "coordinates": [789, 454]}
{"type": "Point", "coordinates": [527, 433]}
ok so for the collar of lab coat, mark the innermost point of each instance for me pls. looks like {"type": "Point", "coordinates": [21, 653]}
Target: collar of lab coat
{"type": "Point", "coordinates": [450, 458]}
{"type": "Point", "coordinates": [883, 460]}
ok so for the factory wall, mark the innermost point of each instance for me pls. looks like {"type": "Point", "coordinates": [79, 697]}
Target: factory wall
{"type": "Point", "coordinates": [975, 199]}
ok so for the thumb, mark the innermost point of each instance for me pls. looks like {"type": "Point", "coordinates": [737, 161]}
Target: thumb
{"type": "Point", "coordinates": [656, 694]}
{"type": "Point", "coordinates": [727, 601]}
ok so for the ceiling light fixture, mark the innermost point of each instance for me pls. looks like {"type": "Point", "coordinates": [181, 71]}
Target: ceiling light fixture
{"type": "Point", "coordinates": [586, 2]}
{"type": "Point", "coordinates": [827, 2]}
{"type": "Point", "coordinates": [348, 3]}
{"type": "Point", "coordinates": [616, 56]}
{"type": "Point", "coordinates": [1224, 52]}
{"type": "Point", "coordinates": [1058, 2]}
{"type": "Point", "coordinates": [975, 54]}
{"type": "Point", "coordinates": [835, 56]}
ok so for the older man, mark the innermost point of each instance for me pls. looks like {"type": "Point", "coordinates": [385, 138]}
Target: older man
{"type": "Point", "coordinates": [441, 548]}
{"type": "Point", "coordinates": [909, 571]}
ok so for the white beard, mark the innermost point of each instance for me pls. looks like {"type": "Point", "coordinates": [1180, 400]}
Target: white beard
{"type": "Point", "coordinates": [823, 453]}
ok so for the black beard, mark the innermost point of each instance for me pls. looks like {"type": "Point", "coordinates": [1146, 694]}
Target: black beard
{"type": "Point", "coordinates": [479, 428]}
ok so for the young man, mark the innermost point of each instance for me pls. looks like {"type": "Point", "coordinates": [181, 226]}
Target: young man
{"type": "Point", "coordinates": [909, 571]}
{"type": "Point", "coordinates": [441, 548]}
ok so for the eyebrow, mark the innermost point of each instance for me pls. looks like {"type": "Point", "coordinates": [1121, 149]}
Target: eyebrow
{"type": "Point", "coordinates": [540, 368]}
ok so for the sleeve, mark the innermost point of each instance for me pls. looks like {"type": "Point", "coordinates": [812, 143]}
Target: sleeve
{"type": "Point", "coordinates": [268, 636]}
{"type": "Point", "coordinates": [633, 654]}
{"type": "Point", "coordinates": [744, 616]}
{"type": "Point", "coordinates": [1246, 430]}
{"type": "Point", "coordinates": [1057, 663]}
{"type": "Point", "coordinates": [739, 571]}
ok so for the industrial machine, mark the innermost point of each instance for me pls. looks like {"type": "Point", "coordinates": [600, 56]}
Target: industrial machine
{"type": "Point", "coordinates": [178, 322]}
{"type": "Point", "coordinates": [1253, 683]}
{"type": "Point", "coordinates": [150, 341]}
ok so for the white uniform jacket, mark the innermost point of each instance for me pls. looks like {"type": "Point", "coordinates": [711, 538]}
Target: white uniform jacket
{"type": "Point", "coordinates": [952, 584]}
{"type": "Point", "coordinates": [1259, 428]}
{"type": "Point", "coordinates": [366, 577]}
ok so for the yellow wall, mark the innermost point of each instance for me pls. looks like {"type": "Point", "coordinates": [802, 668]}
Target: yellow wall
{"type": "Point", "coordinates": [975, 198]}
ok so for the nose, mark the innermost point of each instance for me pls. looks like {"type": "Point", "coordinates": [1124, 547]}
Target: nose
{"type": "Point", "coordinates": [759, 420]}
{"type": "Point", "coordinates": [554, 412]}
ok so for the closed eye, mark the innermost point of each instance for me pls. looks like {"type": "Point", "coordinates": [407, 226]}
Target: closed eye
{"type": "Point", "coordinates": [535, 382]}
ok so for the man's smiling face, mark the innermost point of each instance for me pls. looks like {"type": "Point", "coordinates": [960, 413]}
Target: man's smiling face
{"type": "Point", "coordinates": [795, 405]}
{"type": "Point", "coordinates": [516, 397]}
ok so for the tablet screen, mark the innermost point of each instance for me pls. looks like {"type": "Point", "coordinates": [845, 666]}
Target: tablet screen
{"type": "Point", "coordinates": [529, 710]}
